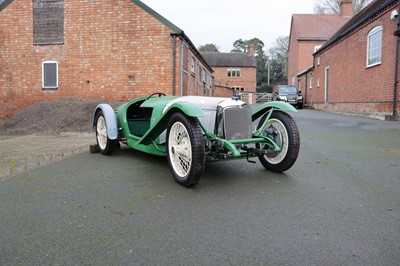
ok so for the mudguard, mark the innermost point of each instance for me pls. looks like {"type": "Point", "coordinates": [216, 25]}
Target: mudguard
{"type": "Point", "coordinates": [187, 108]}
{"type": "Point", "coordinates": [111, 120]}
{"type": "Point", "coordinates": [262, 109]}
{"type": "Point", "coordinates": [161, 123]}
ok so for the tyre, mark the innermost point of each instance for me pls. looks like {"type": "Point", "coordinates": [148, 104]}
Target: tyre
{"type": "Point", "coordinates": [185, 149]}
{"type": "Point", "coordinates": [105, 144]}
{"type": "Point", "coordinates": [283, 129]}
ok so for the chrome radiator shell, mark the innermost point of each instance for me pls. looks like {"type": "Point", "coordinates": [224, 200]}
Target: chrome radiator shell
{"type": "Point", "coordinates": [234, 122]}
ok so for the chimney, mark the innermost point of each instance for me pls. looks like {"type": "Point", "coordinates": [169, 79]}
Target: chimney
{"type": "Point", "coordinates": [251, 49]}
{"type": "Point", "coordinates": [346, 8]}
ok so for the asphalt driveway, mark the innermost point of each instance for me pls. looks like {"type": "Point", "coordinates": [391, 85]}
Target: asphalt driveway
{"type": "Point", "coordinates": [338, 205]}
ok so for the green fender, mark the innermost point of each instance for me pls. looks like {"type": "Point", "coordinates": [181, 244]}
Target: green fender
{"type": "Point", "coordinates": [262, 109]}
{"type": "Point", "coordinates": [159, 125]}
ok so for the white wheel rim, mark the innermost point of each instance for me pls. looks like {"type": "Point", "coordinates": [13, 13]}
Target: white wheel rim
{"type": "Point", "coordinates": [281, 139]}
{"type": "Point", "coordinates": [180, 149]}
{"type": "Point", "coordinates": [101, 130]}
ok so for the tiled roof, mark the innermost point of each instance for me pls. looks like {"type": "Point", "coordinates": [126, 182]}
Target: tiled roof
{"type": "Point", "coordinates": [316, 26]}
{"type": "Point", "coordinates": [4, 3]}
{"type": "Point", "coordinates": [229, 59]}
{"type": "Point", "coordinates": [365, 15]}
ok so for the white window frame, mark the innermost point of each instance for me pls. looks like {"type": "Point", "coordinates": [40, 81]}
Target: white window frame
{"type": "Point", "coordinates": [234, 73]}
{"type": "Point", "coordinates": [45, 86]}
{"type": "Point", "coordinates": [374, 47]}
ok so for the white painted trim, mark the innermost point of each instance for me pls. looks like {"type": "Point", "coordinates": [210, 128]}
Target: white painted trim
{"type": "Point", "coordinates": [43, 85]}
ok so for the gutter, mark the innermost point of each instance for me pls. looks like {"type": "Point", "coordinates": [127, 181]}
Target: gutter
{"type": "Point", "coordinates": [396, 79]}
{"type": "Point", "coordinates": [173, 64]}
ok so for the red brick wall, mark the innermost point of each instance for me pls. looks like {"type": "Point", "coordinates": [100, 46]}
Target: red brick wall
{"type": "Point", "coordinates": [247, 78]}
{"type": "Point", "coordinates": [223, 91]}
{"type": "Point", "coordinates": [300, 55]}
{"type": "Point", "coordinates": [293, 54]}
{"type": "Point", "coordinates": [112, 50]}
{"type": "Point", "coordinates": [353, 86]}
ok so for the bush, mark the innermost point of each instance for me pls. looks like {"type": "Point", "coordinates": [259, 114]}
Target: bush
{"type": "Point", "coordinates": [265, 88]}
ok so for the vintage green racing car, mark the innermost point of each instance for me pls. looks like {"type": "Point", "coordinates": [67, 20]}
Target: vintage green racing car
{"type": "Point", "coordinates": [193, 130]}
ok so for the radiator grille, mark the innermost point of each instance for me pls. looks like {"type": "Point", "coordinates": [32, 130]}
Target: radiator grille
{"type": "Point", "coordinates": [237, 123]}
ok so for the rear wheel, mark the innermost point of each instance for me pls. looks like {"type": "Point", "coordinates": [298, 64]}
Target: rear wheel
{"type": "Point", "coordinates": [105, 144]}
{"type": "Point", "coordinates": [185, 149]}
{"type": "Point", "coordinates": [282, 128]}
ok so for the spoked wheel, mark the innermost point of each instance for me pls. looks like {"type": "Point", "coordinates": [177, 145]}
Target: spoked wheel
{"type": "Point", "coordinates": [283, 130]}
{"type": "Point", "coordinates": [185, 149]}
{"type": "Point", "coordinates": [104, 143]}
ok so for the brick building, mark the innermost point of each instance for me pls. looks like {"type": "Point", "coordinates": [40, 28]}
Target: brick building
{"type": "Point", "coordinates": [308, 32]}
{"type": "Point", "coordinates": [237, 71]}
{"type": "Point", "coordinates": [114, 50]}
{"type": "Point", "coordinates": [355, 70]}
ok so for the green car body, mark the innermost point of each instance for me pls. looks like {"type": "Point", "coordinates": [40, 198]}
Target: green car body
{"type": "Point", "coordinates": [145, 124]}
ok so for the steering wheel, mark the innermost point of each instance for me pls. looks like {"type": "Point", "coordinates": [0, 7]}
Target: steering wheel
{"type": "Point", "coordinates": [156, 93]}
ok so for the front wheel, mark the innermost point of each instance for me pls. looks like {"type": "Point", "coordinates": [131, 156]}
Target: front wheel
{"type": "Point", "coordinates": [185, 149]}
{"type": "Point", "coordinates": [105, 144]}
{"type": "Point", "coordinates": [282, 128]}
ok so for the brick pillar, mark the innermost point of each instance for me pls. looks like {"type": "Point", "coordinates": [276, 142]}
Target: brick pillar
{"type": "Point", "coordinates": [251, 49]}
{"type": "Point", "coordinates": [346, 8]}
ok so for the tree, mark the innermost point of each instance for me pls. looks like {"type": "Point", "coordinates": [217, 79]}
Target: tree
{"type": "Point", "coordinates": [277, 61]}
{"type": "Point", "coordinates": [209, 47]}
{"type": "Point", "coordinates": [333, 6]}
{"type": "Point", "coordinates": [242, 46]}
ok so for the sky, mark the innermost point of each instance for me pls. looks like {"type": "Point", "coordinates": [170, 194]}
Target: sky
{"type": "Point", "coordinates": [222, 22]}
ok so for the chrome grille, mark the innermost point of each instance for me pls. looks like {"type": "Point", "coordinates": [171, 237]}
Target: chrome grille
{"type": "Point", "coordinates": [237, 122]}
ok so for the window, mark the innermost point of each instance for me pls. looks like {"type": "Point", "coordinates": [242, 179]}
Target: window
{"type": "Point", "coordinates": [48, 21]}
{"type": "Point", "coordinates": [199, 73]}
{"type": "Point", "coordinates": [50, 75]}
{"type": "Point", "coordinates": [318, 61]}
{"type": "Point", "coordinates": [192, 65]}
{"type": "Point", "coordinates": [311, 81]}
{"type": "Point", "coordinates": [374, 47]}
{"type": "Point", "coordinates": [232, 72]}
{"type": "Point", "coordinates": [208, 80]}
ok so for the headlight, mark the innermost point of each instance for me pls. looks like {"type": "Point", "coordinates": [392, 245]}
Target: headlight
{"type": "Point", "coordinates": [283, 98]}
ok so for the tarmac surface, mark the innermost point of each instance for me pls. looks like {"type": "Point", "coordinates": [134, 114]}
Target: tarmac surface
{"type": "Point", "coordinates": [22, 153]}
{"type": "Point", "coordinates": [338, 205]}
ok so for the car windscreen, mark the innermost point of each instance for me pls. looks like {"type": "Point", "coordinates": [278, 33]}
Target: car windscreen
{"type": "Point", "coordinates": [287, 90]}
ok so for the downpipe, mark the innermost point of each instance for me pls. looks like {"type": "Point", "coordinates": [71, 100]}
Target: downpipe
{"type": "Point", "coordinates": [394, 116]}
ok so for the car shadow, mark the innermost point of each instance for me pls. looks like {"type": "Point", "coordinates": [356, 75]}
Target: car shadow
{"type": "Point", "coordinates": [217, 175]}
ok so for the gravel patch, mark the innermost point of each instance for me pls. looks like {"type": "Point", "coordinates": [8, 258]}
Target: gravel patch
{"type": "Point", "coordinates": [68, 114]}
{"type": "Point", "coordinates": [46, 132]}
